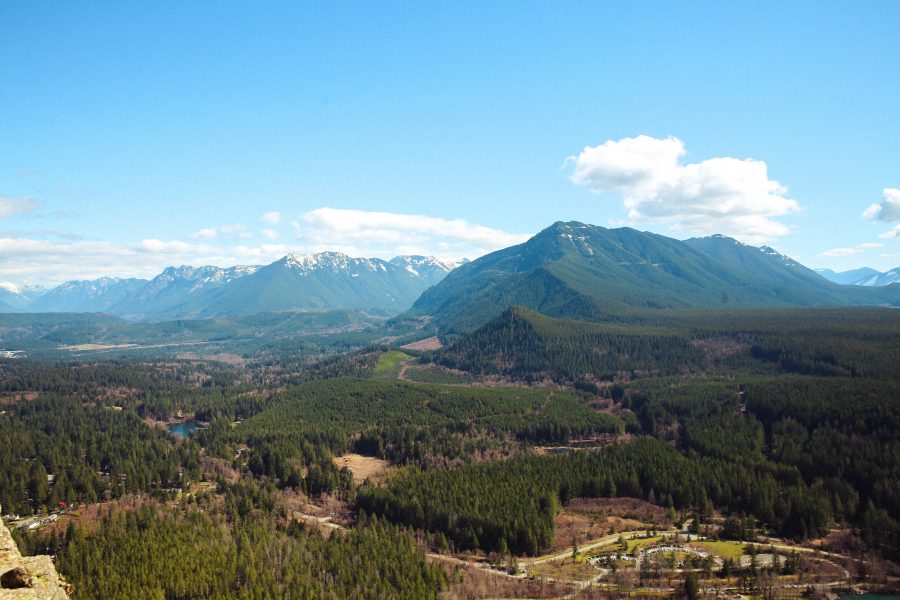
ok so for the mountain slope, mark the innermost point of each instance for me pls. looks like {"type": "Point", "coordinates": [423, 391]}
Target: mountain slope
{"type": "Point", "coordinates": [178, 292]}
{"type": "Point", "coordinates": [14, 298]}
{"type": "Point", "coordinates": [589, 272]}
{"type": "Point", "coordinates": [864, 276]}
{"type": "Point", "coordinates": [97, 295]}
{"type": "Point", "coordinates": [886, 278]}
{"type": "Point", "coordinates": [521, 343]}
{"type": "Point", "coordinates": [316, 281]}
{"type": "Point", "coordinates": [329, 280]}
{"type": "Point", "coordinates": [848, 277]}
{"type": "Point", "coordinates": [427, 268]}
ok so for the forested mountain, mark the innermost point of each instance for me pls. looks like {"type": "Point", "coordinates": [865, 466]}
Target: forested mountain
{"type": "Point", "coordinates": [589, 272]}
{"type": "Point", "coordinates": [526, 345]}
{"type": "Point", "coordinates": [523, 344]}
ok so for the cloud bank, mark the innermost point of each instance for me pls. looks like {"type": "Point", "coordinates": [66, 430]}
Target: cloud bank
{"type": "Point", "coordinates": [385, 234]}
{"type": "Point", "coordinates": [724, 195]}
{"type": "Point", "coordinates": [35, 259]}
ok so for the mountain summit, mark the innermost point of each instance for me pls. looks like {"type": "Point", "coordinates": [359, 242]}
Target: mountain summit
{"type": "Point", "coordinates": [572, 269]}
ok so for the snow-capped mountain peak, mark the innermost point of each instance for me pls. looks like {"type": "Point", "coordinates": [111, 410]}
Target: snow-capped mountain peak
{"type": "Point", "coordinates": [416, 264]}
{"type": "Point", "coordinates": [334, 262]}
{"type": "Point", "coordinates": [10, 287]}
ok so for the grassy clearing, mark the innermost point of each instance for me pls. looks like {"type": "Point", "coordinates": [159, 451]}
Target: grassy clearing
{"type": "Point", "coordinates": [389, 364]}
{"type": "Point", "coordinates": [724, 550]}
{"type": "Point", "coordinates": [361, 466]}
{"type": "Point", "coordinates": [564, 569]}
{"type": "Point", "coordinates": [641, 543]}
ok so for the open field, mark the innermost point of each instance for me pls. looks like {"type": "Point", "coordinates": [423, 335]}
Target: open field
{"type": "Point", "coordinates": [565, 569]}
{"type": "Point", "coordinates": [88, 347]}
{"type": "Point", "coordinates": [432, 343]}
{"type": "Point", "coordinates": [641, 543]}
{"type": "Point", "coordinates": [363, 467]}
{"type": "Point", "coordinates": [389, 364]}
{"type": "Point", "coordinates": [725, 550]}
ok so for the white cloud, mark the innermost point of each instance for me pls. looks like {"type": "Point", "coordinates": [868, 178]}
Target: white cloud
{"type": "Point", "coordinates": [10, 207]}
{"type": "Point", "coordinates": [889, 209]}
{"type": "Point", "coordinates": [719, 195]}
{"type": "Point", "coordinates": [834, 252]}
{"type": "Point", "coordinates": [272, 218]}
{"type": "Point", "coordinates": [207, 233]}
{"type": "Point", "coordinates": [173, 247]}
{"type": "Point", "coordinates": [236, 231]}
{"type": "Point", "coordinates": [385, 234]}
{"type": "Point", "coordinates": [270, 233]}
{"type": "Point", "coordinates": [891, 233]}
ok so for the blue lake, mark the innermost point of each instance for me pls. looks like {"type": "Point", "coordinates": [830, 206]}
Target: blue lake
{"type": "Point", "coordinates": [182, 430]}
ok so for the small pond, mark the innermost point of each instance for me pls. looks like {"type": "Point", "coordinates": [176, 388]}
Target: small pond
{"type": "Point", "coordinates": [183, 429]}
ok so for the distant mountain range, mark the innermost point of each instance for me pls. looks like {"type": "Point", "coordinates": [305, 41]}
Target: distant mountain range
{"type": "Point", "coordinates": [16, 297]}
{"type": "Point", "coordinates": [329, 280]}
{"type": "Point", "coordinates": [571, 270]}
{"type": "Point", "coordinates": [864, 276]}
{"type": "Point", "coordinates": [583, 271]}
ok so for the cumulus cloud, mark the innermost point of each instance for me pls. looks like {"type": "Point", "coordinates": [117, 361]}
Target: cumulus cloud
{"type": "Point", "coordinates": [272, 218]}
{"type": "Point", "coordinates": [386, 234]}
{"type": "Point", "coordinates": [891, 233]}
{"type": "Point", "coordinates": [889, 209]}
{"type": "Point", "coordinates": [270, 233]}
{"type": "Point", "coordinates": [207, 233]}
{"type": "Point", "coordinates": [725, 195]}
{"type": "Point", "coordinates": [10, 207]}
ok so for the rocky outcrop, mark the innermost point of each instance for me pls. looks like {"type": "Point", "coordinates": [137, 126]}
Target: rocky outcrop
{"type": "Point", "coordinates": [27, 577]}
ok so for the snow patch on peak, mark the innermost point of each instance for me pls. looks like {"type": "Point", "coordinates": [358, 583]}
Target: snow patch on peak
{"type": "Point", "coordinates": [719, 236]}
{"type": "Point", "coordinates": [787, 260]}
{"type": "Point", "coordinates": [421, 265]}
{"type": "Point", "coordinates": [330, 261]}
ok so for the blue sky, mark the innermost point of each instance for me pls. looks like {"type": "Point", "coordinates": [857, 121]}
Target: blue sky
{"type": "Point", "coordinates": [134, 136]}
